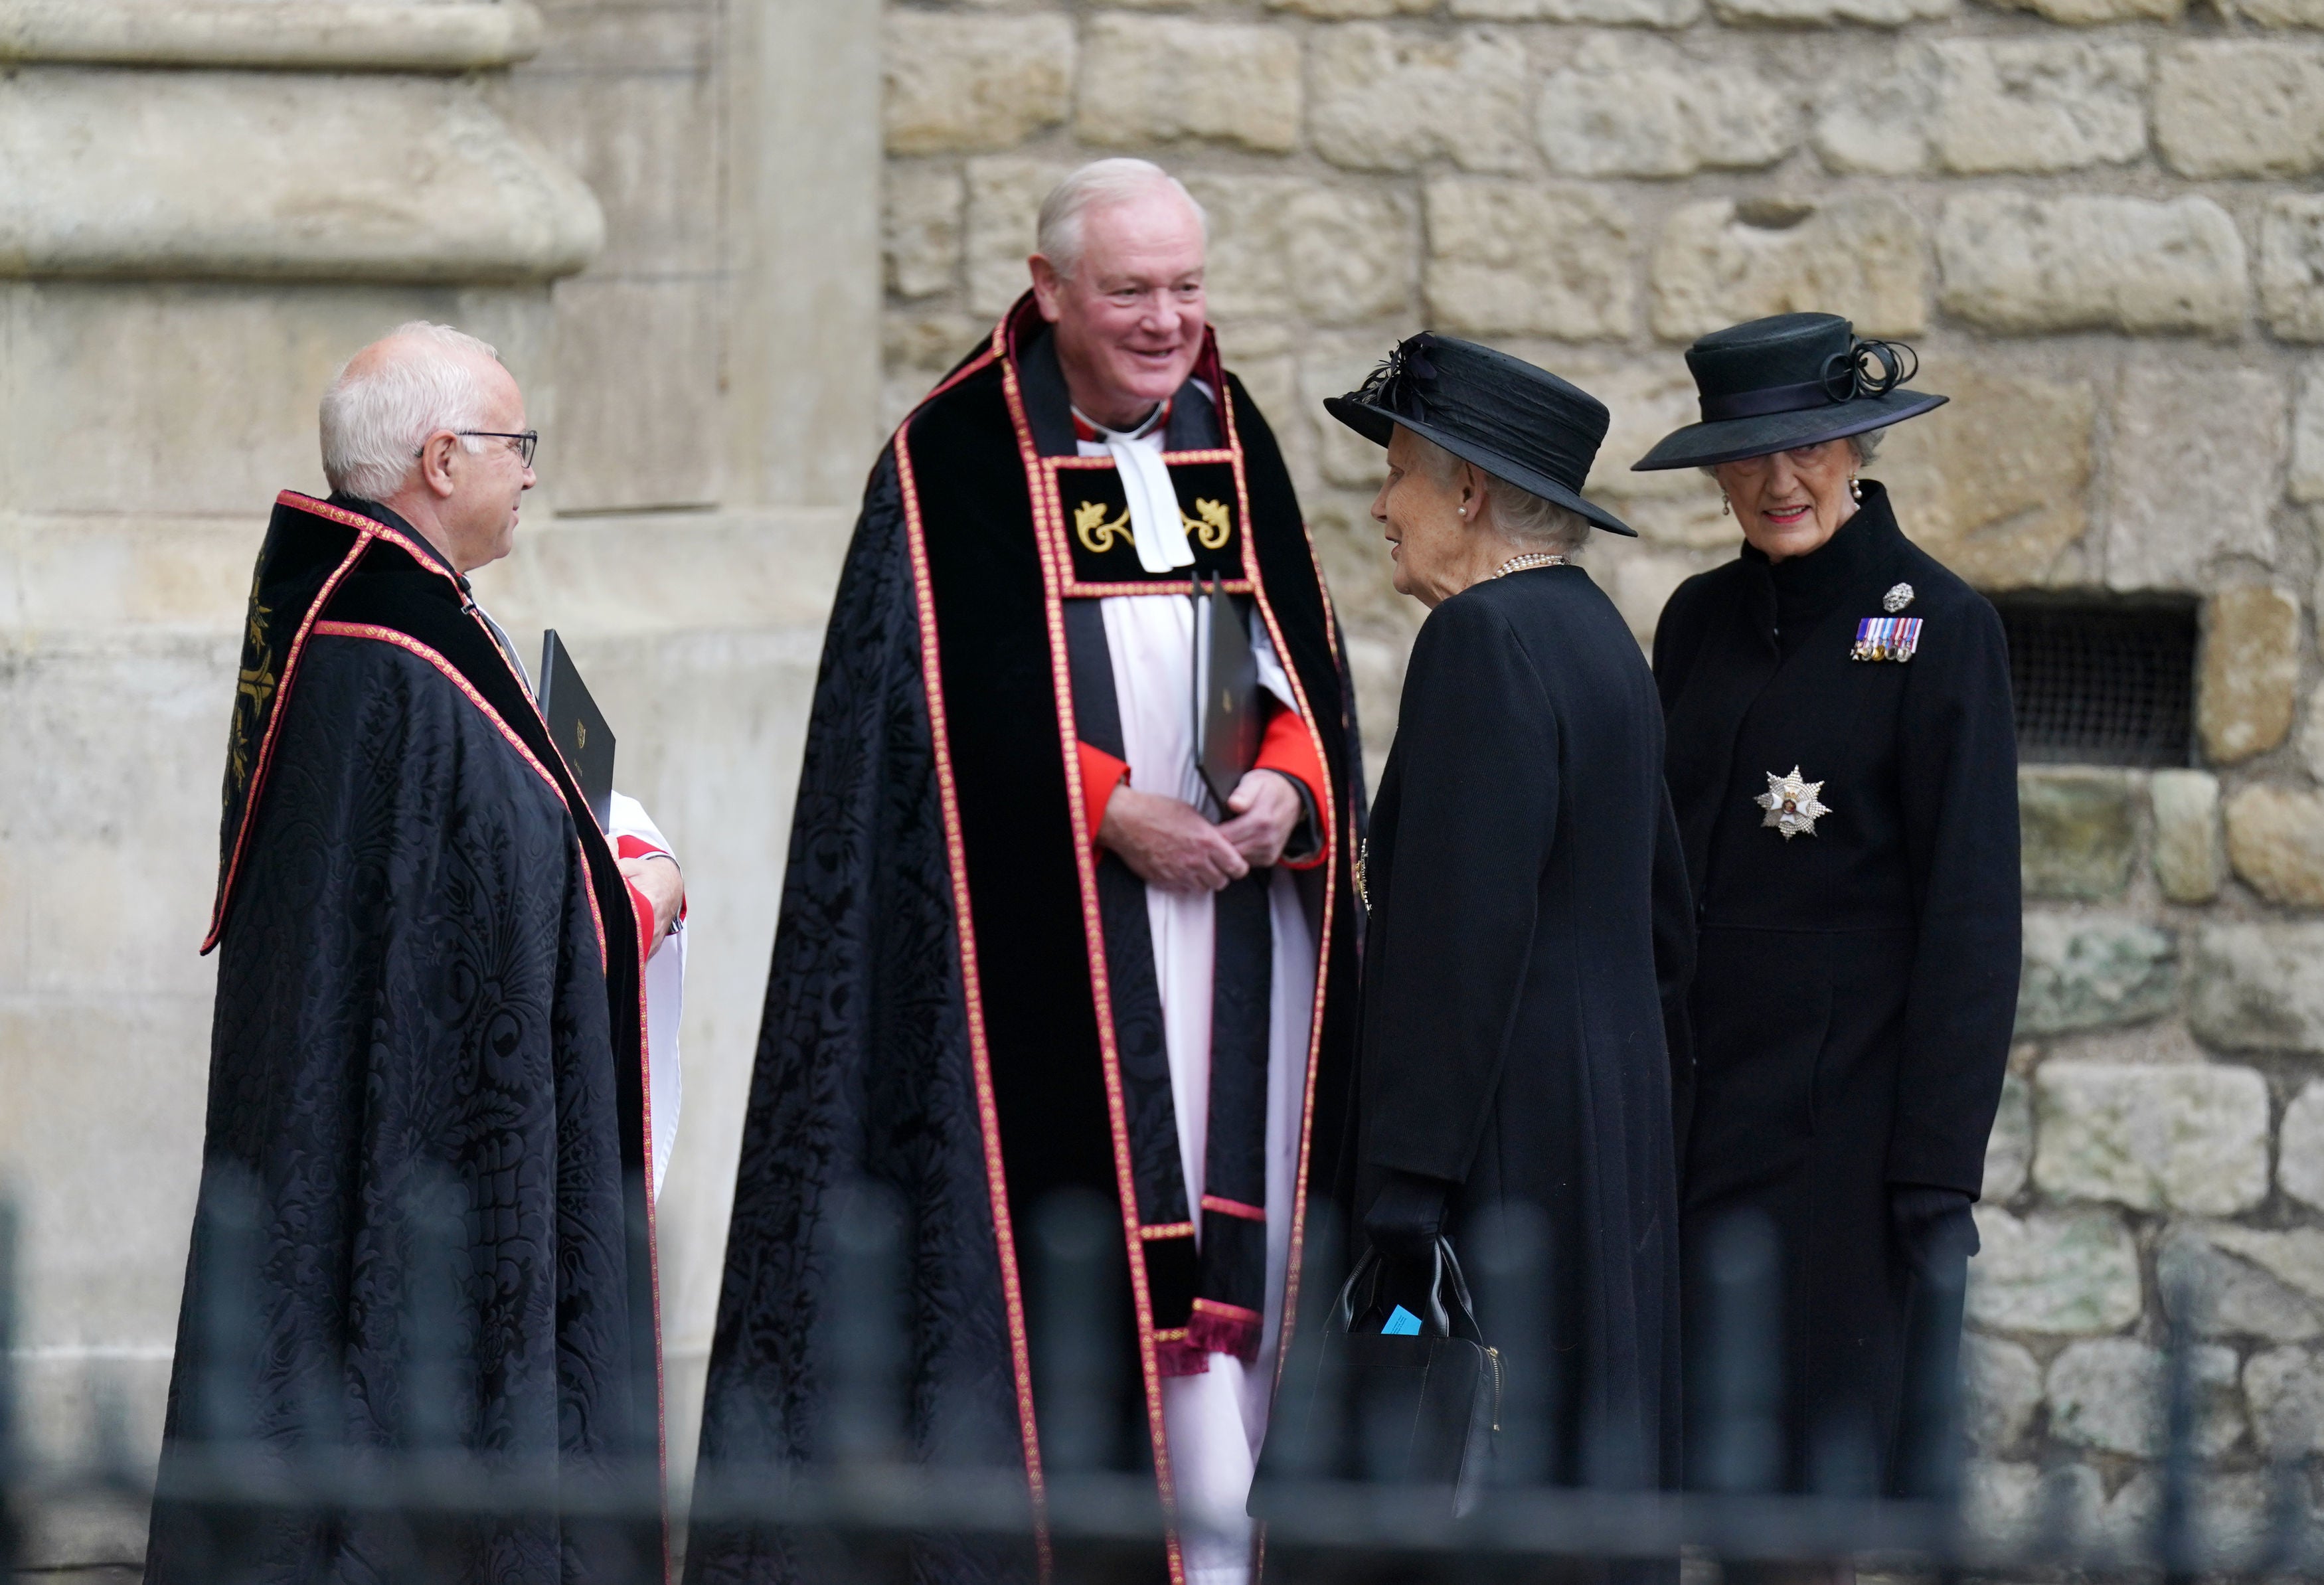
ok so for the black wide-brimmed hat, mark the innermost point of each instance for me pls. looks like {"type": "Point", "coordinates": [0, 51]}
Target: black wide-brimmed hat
{"type": "Point", "coordinates": [1790, 379]}
{"type": "Point", "coordinates": [1515, 421]}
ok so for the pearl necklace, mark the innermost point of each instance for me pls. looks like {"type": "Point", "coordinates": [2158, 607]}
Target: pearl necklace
{"type": "Point", "coordinates": [1531, 558]}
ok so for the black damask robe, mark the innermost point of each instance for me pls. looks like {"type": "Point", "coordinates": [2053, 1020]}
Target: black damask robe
{"type": "Point", "coordinates": [427, 1088]}
{"type": "Point", "coordinates": [951, 1014]}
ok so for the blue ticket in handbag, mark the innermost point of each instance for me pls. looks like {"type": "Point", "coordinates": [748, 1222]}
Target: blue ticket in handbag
{"type": "Point", "coordinates": [1886, 638]}
{"type": "Point", "coordinates": [1401, 1322]}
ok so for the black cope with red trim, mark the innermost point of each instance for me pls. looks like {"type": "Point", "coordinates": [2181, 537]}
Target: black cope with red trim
{"type": "Point", "coordinates": [940, 1018]}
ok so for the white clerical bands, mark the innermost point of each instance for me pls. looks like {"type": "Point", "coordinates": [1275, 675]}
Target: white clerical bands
{"type": "Point", "coordinates": [1157, 526]}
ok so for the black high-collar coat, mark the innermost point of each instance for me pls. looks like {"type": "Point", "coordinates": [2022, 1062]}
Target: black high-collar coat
{"type": "Point", "coordinates": [1855, 987]}
{"type": "Point", "coordinates": [1528, 919]}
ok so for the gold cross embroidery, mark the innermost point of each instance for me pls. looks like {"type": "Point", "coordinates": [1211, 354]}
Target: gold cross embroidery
{"type": "Point", "coordinates": [256, 685]}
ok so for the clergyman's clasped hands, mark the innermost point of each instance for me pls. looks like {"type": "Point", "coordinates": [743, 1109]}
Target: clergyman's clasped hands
{"type": "Point", "coordinates": [1168, 842]}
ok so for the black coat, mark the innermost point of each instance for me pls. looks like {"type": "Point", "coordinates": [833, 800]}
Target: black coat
{"type": "Point", "coordinates": [1855, 987]}
{"type": "Point", "coordinates": [1522, 856]}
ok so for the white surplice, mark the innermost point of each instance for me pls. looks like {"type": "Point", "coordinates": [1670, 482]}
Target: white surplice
{"type": "Point", "coordinates": [665, 990]}
{"type": "Point", "coordinates": [1214, 1422]}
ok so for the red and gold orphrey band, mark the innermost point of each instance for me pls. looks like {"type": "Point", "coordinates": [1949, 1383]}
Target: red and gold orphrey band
{"type": "Point", "coordinates": [1058, 584]}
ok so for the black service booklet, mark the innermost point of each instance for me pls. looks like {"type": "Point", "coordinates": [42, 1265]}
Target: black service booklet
{"type": "Point", "coordinates": [578, 726]}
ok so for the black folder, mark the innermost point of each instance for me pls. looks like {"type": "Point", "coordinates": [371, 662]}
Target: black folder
{"type": "Point", "coordinates": [578, 726]}
{"type": "Point", "coordinates": [1228, 720]}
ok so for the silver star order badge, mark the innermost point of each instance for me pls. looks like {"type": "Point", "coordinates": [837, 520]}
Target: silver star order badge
{"type": "Point", "coordinates": [1792, 804]}
{"type": "Point", "coordinates": [1896, 599]}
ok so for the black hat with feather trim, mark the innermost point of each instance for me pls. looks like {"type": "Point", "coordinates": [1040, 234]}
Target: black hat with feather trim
{"type": "Point", "coordinates": [1518, 423]}
{"type": "Point", "coordinates": [1787, 381]}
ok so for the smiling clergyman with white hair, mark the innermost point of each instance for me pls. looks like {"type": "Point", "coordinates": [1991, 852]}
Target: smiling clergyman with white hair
{"type": "Point", "coordinates": [430, 1107]}
{"type": "Point", "coordinates": [1059, 930]}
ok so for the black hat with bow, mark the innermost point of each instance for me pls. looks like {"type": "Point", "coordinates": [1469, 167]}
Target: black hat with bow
{"type": "Point", "coordinates": [1516, 423]}
{"type": "Point", "coordinates": [1787, 381]}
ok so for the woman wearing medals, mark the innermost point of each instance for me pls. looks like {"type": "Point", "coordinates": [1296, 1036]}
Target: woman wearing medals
{"type": "Point", "coordinates": [1512, 1050]}
{"type": "Point", "coordinates": [1842, 759]}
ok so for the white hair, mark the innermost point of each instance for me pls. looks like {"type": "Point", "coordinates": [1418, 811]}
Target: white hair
{"type": "Point", "coordinates": [375, 421]}
{"type": "Point", "coordinates": [1533, 520]}
{"type": "Point", "coordinates": [1100, 184]}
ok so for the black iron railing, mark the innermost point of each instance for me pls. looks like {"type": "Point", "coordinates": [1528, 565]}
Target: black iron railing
{"type": "Point", "coordinates": [865, 1500]}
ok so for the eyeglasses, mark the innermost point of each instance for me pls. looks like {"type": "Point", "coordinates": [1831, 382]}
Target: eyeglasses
{"type": "Point", "coordinates": [526, 443]}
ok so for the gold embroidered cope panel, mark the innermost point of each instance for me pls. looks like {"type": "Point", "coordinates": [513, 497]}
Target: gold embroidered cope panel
{"type": "Point", "coordinates": [1088, 522]}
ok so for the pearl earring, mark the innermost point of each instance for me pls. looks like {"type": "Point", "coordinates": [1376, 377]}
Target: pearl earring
{"type": "Point", "coordinates": [1855, 490]}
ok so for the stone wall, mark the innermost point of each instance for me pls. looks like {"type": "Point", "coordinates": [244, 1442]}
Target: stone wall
{"type": "Point", "coordinates": [2097, 219]}
{"type": "Point", "coordinates": [664, 212]}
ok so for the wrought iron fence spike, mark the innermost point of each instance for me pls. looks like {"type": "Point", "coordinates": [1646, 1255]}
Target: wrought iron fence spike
{"type": "Point", "coordinates": [1513, 1273]}
{"type": "Point", "coordinates": [1741, 1445]}
{"type": "Point", "coordinates": [2285, 1548]}
{"type": "Point", "coordinates": [435, 1278]}
{"type": "Point", "coordinates": [866, 1417]}
{"type": "Point", "coordinates": [1080, 1243]}
{"type": "Point", "coordinates": [226, 1261]}
{"type": "Point", "coordinates": [1308, 1419]}
{"type": "Point", "coordinates": [1930, 1441]}
{"type": "Point", "coordinates": [2175, 1542]}
{"type": "Point", "coordinates": [1331, 1526]}
{"type": "Point", "coordinates": [14, 1459]}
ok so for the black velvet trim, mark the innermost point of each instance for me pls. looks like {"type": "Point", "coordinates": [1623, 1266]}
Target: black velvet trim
{"type": "Point", "coordinates": [1234, 1261]}
{"type": "Point", "coordinates": [1141, 1046]}
{"type": "Point", "coordinates": [1097, 713]}
{"type": "Point", "coordinates": [998, 677]}
{"type": "Point", "coordinates": [1041, 385]}
{"type": "Point", "coordinates": [1241, 978]}
{"type": "Point", "coordinates": [1194, 421]}
{"type": "Point", "coordinates": [1016, 821]}
{"type": "Point", "coordinates": [1172, 1270]}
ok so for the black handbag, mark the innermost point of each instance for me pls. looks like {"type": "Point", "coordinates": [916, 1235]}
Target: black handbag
{"type": "Point", "coordinates": [1411, 1410]}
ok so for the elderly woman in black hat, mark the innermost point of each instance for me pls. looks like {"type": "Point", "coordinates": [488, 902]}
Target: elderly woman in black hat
{"type": "Point", "coordinates": [1512, 1050]}
{"type": "Point", "coordinates": [1842, 759]}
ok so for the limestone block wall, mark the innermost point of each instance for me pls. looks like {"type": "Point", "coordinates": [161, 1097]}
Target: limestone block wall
{"type": "Point", "coordinates": [665, 215]}
{"type": "Point", "coordinates": [201, 213]}
{"type": "Point", "coordinates": [2099, 221]}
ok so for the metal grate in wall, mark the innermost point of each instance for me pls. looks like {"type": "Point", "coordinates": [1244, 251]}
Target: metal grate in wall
{"type": "Point", "coordinates": [2101, 682]}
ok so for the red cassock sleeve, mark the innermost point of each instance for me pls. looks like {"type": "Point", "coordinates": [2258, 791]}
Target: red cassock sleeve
{"type": "Point", "coordinates": [638, 847]}
{"type": "Point", "coordinates": [1100, 774]}
{"type": "Point", "coordinates": [1287, 748]}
